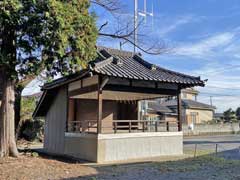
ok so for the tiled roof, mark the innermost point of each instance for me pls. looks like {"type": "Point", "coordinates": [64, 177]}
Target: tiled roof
{"type": "Point", "coordinates": [158, 107]}
{"type": "Point", "coordinates": [188, 104]}
{"type": "Point", "coordinates": [125, 64]}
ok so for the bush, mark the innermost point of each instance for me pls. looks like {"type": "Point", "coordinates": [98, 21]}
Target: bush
{"type": "Point", "coordinates": [32, 130]}
{"type": "Point", "coordinates": [29, 129]}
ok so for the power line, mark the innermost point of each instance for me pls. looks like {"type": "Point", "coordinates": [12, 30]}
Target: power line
{"type": "Point", "coordinates": [226, 88]}
{"type": "Point", "coordinates": [219, 95]}
{"type": "Point", "coordinates": [230, 67]}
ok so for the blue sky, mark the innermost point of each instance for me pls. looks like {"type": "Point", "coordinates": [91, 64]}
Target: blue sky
{"type": "Point", "coordinates": [203, 38]}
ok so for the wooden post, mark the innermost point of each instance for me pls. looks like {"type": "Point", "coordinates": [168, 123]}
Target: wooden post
{"type": "Point", "coordinates": [179, 106]}
{"type": "Point", "coordinates": [130, 126]}
{"type": "Point", "coordinates": [99, 122]}
{"type": "Point", "coordinates": [67, 113]}
{"type": "Point", "coordinates": [216, 149]}
{"type": "Point", "coordinates": [156, 126]}
{"type": "Point", "coordinates": [99, 129]}
{"type": "Point", "coordinates": [167, 126]}
{"type": "Point", "coordinates": [195, 150]}
{"type": "Point", "coordinates": [102, 81]}
{"type": "Point", "coordinates": [144, 126]}
{"type": "Point", "coordinates": [115, 127]}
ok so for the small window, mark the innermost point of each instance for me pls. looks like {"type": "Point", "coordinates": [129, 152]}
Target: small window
{"type": "Point", "coordinates": [194, 117]}
{"type": "Point", "coordinates": [184, 95]}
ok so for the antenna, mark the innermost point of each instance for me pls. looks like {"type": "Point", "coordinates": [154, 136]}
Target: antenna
{"type": "Point", "coordinates": [135, 23]}
{"type": "Point", "coordinates": [144, 14]}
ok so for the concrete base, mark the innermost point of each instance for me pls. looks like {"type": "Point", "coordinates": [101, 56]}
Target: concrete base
{"type": "Point", "coordinates": [117, 147]}
{"type": "Point", "coordinates": [83, 146]}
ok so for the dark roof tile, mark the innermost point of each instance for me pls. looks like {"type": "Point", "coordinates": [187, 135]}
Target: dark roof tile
{"type": "Point", "coordinates": [131, 66]}
{"type": "Point", "coordinates": [135, 67]}
{"type": "Point", "coordinates": [188, 103]}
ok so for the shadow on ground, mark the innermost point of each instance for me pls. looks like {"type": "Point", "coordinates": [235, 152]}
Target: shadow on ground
{"type": "Point", "coordinates": [205, 166]}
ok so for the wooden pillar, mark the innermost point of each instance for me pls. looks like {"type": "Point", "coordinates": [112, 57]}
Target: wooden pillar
{"type": "Point", "coordinates": [100, 104]}
{"type": "Point", "coordinates": [179, 106]}
{"type": "Point", "coordinates": [102, 81]}
{"type": "Point", "coordinates": [67, 113]}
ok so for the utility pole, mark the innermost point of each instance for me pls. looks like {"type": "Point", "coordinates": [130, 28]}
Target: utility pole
{"type": "Point", "coordinates": [211, 100]}
{"type": "Point", "coordinates": [135, 23]}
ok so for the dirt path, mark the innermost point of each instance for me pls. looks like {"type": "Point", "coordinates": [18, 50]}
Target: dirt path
{"type": "Point", "coordinates": [34, 168]}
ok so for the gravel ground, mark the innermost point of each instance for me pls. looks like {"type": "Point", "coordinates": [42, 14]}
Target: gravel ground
{"type": "Point", "coordinates": [208, 166]}
{"type": "Point", "coordinates": [204, 167]}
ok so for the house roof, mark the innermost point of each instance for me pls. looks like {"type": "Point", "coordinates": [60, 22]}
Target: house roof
{"type": "Point", "coordinates": [156, 107]}
{"type": "Point", "coordinates": [113, 62]}
{"type": "Point", "coordinates": [124, 64]}
{"type": "Point", "coordinates": [218, 115]}
{"type": "Point", "coordinates": [188, 104]}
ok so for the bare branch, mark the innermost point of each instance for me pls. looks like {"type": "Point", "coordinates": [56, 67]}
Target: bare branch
{"type": "Point", "coordinates": [102, 26]}
{"type": "Point", "coordinates": [109, 5]}
{"type": "Point", "coordinates": [125, 33]}
{"type": "Point", "coordinates": [152, 51]}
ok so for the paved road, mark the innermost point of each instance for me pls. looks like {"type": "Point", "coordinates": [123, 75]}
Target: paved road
{"type": "Point", "coordinates": [228, 146]}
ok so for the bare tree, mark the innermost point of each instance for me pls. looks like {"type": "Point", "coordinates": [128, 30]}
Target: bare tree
{"type": "Point", "coordinates": [125, 29]}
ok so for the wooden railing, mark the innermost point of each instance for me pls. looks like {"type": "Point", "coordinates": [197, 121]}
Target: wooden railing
{"type": "Point", "coordinates": [86, 126]}
{"type": "Point", "coordinates": [123, 126]}
{"type": "Point", "coordinates": [142, 125]}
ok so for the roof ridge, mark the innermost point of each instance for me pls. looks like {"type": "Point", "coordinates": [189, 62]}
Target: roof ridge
{"type": "Point", "coordinates": [103, 63]}
{"type": "Point", "coordinates": [142, 61]}
{"type": "Point", "coordinates": [197, 102]}
{"type": "Point", "coordinates": [116, 51]}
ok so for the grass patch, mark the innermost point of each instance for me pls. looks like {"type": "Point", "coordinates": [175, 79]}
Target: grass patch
{"type": "Point", "coordinates": [194, 164]}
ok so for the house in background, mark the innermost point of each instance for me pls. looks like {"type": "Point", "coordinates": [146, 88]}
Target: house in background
{"type": "Point", "coordinates": [193, 112]}
{"type": "Point", "coordinates": [190, 94]}
{"type": "Point", "coordinates": [94, 113]}
{"type": "Point", "coordinates": [218, 117]}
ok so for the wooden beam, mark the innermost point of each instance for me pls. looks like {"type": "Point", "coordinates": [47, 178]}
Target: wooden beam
{"type": "Point", "coordinates": [83, 90]}
{"type": "Point", "coordinates": [104, 82]}
{"type": "Point", "coordinates": [179, 106]}
{"type": "Point", "coordinates": [122, 88]}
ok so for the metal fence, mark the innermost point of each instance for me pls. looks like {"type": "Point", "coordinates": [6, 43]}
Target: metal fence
{"type": "Point", "coordinates": [227, 151]}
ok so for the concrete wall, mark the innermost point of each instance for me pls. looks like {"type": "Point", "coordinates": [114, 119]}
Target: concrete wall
{"type": "Point", "coordinates": [116, 147]}
{"type": "Point", "coordinates": [83, 146]}
{"type": "Point", "coordinates": [201, 129]}
{"type": "Point", "coordinates": [55, 123]}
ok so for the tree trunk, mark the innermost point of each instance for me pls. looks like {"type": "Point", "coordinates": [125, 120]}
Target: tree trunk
{"type": "Point", "coordinates": [18, 98]}
{"type": "Point", "coordinates": [7, 114]}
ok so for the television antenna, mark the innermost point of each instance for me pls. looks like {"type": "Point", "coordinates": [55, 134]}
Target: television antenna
{"type": "Point", "coordinates": [143, 13]}
{"type": "Point", "coordinates": [137, 13]}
